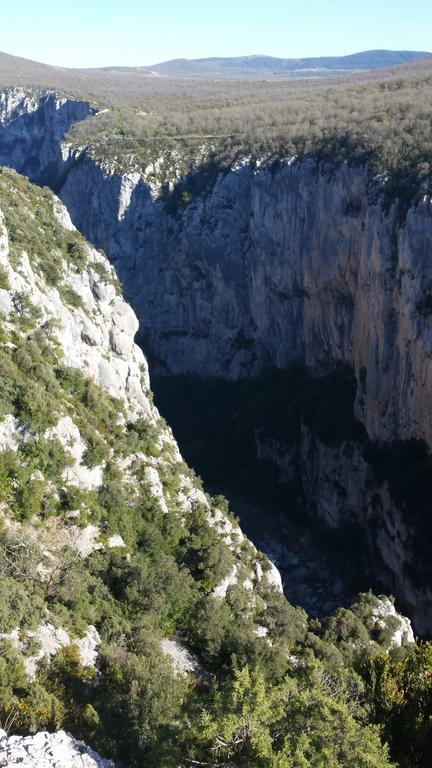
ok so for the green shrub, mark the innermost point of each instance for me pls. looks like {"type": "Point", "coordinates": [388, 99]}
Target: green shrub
{"type": "Point", "coordinates": [4, 279]}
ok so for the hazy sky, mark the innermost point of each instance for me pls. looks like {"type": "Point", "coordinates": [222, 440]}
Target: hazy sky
{"type": "Point", "coordinates": [134, 32]}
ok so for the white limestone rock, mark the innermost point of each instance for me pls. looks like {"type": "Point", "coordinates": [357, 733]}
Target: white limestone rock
{"type": "Point", "coordinates": [87, 647]}
{"type": "Point", "coordinates": [183, 660]}
{"type": "Point", "coordinates": [156, 487]}
{"type": "Point", "coordinates": [62, 215]}
{"type": "Point", "coordinates": [221, 589]}
{"type": "Point", "coordinates": [273, 578]}
{"type": "Point", "coordinates": [6, 303]}
{"type": "Point", "coordinates": [128, 183]}
{"type": "Point", "coordinates": [78, 474]}
{"type": "Point", "coordinates": [98, 339]}
{"type": "Point", "coordinates": [121, 342]}
{"type": "Point", "coordinates": [50, 640]}
{"type": "Point", "coordinates": [48, 750]}
{"type": "Point", "coordinates": [10, 433]}
{"type": "Point", "coordinates": [382, 610]}
{"type": "Point", "coordinates": [17, 101]}
{"type": "Point", "coordinates": [269, 576]}
{"type": "Point", "coordinates": [84, 540]}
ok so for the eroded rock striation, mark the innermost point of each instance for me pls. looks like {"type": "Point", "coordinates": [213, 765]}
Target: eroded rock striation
{"type": "Point", "coordinates": [270, 265]}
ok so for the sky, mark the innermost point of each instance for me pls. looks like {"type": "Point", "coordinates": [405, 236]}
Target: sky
{"type": "Point", "coordinates": [84, 33]}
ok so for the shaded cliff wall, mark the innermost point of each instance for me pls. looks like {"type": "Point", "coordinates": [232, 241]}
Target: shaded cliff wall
{"type": "Point", "coordinates": [271, 267]}
{"type": "Point", "coordinates": [286, 447]}
{"type": "Point", "coordinates": [32, 127]}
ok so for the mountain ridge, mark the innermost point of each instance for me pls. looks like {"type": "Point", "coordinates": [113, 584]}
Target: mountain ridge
{"type": "Point", "coordinates": [255, 66]}
{"type": "Point", "coordinates": [278, 67]}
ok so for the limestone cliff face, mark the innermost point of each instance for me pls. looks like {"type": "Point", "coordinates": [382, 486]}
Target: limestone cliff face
{"type": "Point", "coordinates": [32, 126]}
{"type": "Point", "coordinates": [96, 337]}
{"type": "Point", "coordinates": [272, 267]}
{"type": "Point", "coordinates": [343, 495]}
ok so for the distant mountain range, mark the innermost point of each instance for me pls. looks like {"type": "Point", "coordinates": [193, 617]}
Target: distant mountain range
{"type": "Point", "coordinates": [268, 67]}
{"type": "Point", "coordinates": [103, 82]}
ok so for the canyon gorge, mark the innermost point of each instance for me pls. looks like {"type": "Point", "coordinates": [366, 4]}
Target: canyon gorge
{"type": "Point", "coordinates": [258, 268]}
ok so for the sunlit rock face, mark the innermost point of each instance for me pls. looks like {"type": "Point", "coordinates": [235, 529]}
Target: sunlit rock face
{"type": "Point", "coordinates": [48, 750]}
{"type": "Point", "coordinates": [95, 335]}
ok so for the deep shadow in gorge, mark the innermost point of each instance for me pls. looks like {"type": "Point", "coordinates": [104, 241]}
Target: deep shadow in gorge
{"type": "Point", "coordinates": [243, 438]}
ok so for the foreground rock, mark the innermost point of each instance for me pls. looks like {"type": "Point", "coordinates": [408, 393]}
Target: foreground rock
{"type": "Point", "coordinates": [48, 750]}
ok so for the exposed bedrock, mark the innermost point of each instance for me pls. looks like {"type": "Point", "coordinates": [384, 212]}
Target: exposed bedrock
{"type": "Point", "coordinates": [32, 128]}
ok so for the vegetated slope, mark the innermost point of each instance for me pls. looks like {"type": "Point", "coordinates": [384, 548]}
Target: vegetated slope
{"type": "Point", "coordinates": [133, 611]}
{"type": "Point", "coordinates": [270, 67]}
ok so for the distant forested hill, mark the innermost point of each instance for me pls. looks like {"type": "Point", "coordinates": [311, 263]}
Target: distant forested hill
{"type": "Point", "coordinates": [256, 67]}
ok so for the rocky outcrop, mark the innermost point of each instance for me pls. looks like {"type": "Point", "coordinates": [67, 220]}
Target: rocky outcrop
{"type": "Point", "coordinates": [87, 333]}
{"type": "Point", "coordinates": [382, 612]}
{"type": "Point", "coordinates": [48, 750]}
{"type": "Point", "coordinates": [49, 641]}
{"type": "Point", "coordinates": [183, 660]}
